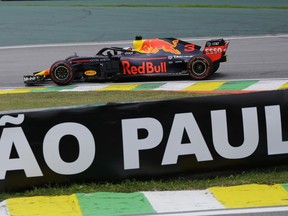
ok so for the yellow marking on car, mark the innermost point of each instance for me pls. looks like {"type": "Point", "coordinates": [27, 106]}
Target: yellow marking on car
{"type": "Point", "coordinates": [90, 73]}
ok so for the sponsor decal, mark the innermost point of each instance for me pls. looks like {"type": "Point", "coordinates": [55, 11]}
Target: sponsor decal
{"type": "Point", "coordinates": [144, 68]}
{"type": "Point", "coordinates": [90, 73]}
{"type": "Point", "coordinates": [214, 50]}
{"type": "Point", "coordinates": [81, 60]}
{"type": "Point", "coordinates": [155, 45]}
{"type": "Point", "coordinates": [29, 78]}
{"type": "Point", "coordinates": [181, 57]}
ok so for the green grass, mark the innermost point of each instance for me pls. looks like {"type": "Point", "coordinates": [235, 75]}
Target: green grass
{"type": "Point", "coordinates": [56, 99]}
{"type": "Point", "coordinates": [264, 176]}
{"type": "Point", "coordinates": [52, 99]}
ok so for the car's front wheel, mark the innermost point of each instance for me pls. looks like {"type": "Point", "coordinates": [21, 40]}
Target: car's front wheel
{"type": "Point", "coordinates": [62, 73]}
{"type": "Point", "coordinates": [199, 67]}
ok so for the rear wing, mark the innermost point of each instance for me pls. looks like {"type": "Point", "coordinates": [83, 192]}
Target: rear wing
{"type": "Point", "coordinates": [216, 49]}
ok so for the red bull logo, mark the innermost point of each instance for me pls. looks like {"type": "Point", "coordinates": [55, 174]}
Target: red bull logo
{"type": "Point", "coordinates": [155, 45]}
{"type": "Point", "coordinates": [144, 68]}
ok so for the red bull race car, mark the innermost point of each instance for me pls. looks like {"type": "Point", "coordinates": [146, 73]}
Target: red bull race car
{"type": "Point", "coordinates": [147, 57]}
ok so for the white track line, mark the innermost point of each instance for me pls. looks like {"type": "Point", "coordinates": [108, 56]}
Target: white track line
{"type": "Point", "coordinates": [124, 42]}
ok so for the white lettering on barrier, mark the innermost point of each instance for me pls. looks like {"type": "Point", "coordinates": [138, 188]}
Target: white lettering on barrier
{"type": "Point", "coordinates": [86, 148]}
{"type": "Point", "coordinates": [197, 145]}
{"type": "Point", "coordinates": [132, 144]}
{"type": "Point", "coordinates": [220, 134]}
{"type": "Point", "coordinates": [275, 144]}
{"type": "Point", "coordinates": [26, 160]}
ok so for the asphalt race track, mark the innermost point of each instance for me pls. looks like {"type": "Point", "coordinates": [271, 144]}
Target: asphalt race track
{"type": "Point", "coordinates": [259, 57]}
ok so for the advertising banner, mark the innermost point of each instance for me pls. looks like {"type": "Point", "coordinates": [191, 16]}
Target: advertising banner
{"type": "Point", "coordinates": [116, 141]}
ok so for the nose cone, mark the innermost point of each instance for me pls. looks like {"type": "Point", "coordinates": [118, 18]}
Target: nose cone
{"type": "Point", "coordinates": [43, 72]}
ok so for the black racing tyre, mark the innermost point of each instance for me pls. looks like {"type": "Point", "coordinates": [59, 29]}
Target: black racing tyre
{"type": "Point", "coordinates": [62, 73]}
{"type": "Point", "coordinates": [199, 67]}
{"type": "Point", "coordinates": [216, 66]}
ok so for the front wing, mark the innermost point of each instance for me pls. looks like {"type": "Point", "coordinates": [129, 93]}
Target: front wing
{"type": "Point", "coordinates": [32, 80]}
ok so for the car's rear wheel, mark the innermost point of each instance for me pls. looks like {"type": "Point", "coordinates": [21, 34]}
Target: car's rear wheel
{"type": "Point", "coordinates": [62, 73]}
{"type": "Point", "coordinates": [199, 67]}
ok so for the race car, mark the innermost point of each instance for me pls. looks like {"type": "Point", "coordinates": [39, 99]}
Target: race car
{"type": "Point", "coordinates": [147, 57]}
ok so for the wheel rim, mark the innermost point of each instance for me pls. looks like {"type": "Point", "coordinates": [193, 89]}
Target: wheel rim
{"type": "Point", "coordinates": [61, 73]}
{"type": "Point", "coordinates": [199, 67]}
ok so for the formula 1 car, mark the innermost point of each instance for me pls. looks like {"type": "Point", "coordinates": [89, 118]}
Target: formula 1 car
{"type": "Point", "coordinates": [149, 57]}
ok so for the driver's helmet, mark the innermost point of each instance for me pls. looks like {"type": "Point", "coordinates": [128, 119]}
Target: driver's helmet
{"type": "Point", "coordinates": [137, 43]}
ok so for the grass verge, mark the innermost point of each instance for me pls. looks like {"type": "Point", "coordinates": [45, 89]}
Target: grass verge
{"type": "Point", "coordinates": [56, 99]}
{"type": "Point", "coordinates": [275, 175]}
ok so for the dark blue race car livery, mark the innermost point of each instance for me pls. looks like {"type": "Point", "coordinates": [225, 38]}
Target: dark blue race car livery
{"type": "Point", "coordinates": [148, 57]}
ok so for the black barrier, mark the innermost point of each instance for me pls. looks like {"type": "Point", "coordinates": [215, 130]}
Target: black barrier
{"type": "Point", "coordinates": [143, 139]}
